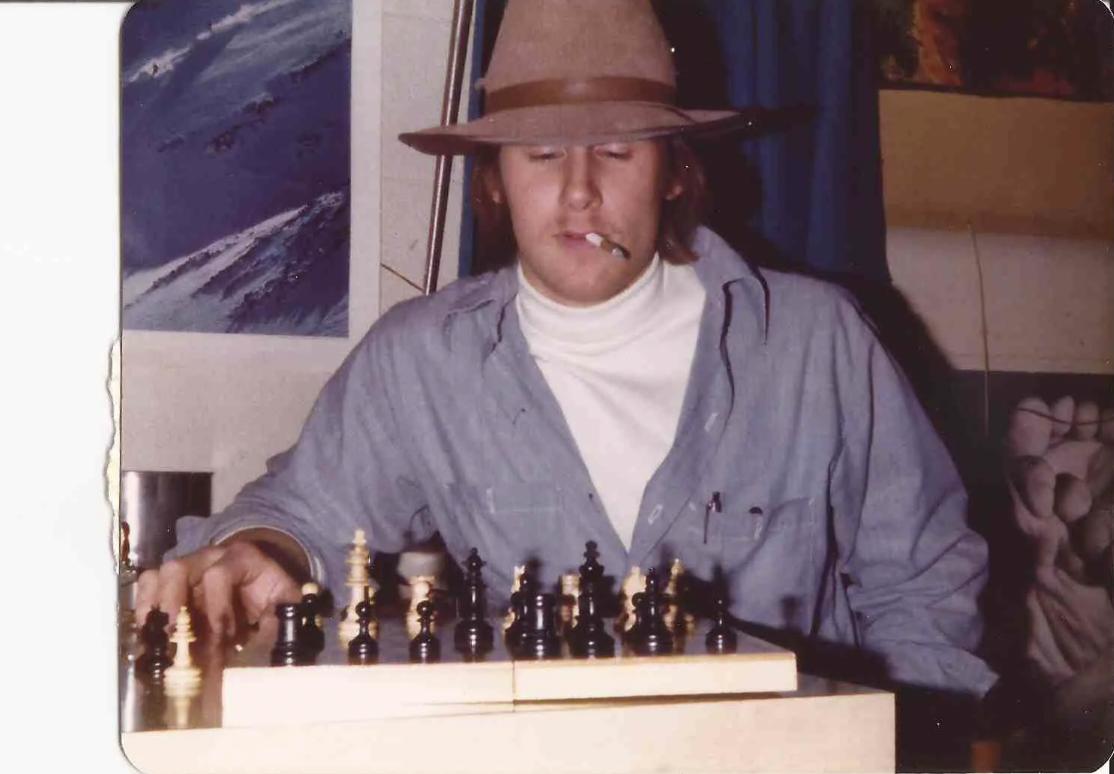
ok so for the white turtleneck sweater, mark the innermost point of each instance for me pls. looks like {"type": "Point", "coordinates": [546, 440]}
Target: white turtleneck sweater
{"type": "Point", "coordinates": [619, 371]}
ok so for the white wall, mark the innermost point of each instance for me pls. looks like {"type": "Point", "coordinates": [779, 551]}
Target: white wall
{"type": "Point", "coordinates": [1000, 217]}
{"type": "Point", "coordinates": [1010, 302]}
{"type": "Point", "coordinates": [225, 403]}
{"type": "Point", "coordinates": [416, 36]}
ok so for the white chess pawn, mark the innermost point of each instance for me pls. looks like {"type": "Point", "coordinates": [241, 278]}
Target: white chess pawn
{"type": "Point", "coordinates": [357, 579]}
{"type": "Point", "coordinates": [570, 592]}
{"type": "Point", "coordinates": [634, 583]}
{"type": "Point", "coordinates": [421, 586]}
{"type": "Point", "coordinates": [183, 677]}
{"type": "Point", "coordinates": [312, 588]}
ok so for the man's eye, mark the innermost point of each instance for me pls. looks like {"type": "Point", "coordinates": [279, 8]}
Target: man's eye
{"type": "Point", "coordinates": [543, 154]}
{"type": "Point", "coordinates": [614, 151]}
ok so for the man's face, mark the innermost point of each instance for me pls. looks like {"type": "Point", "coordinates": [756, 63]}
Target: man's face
{"type": "Point", "coordinates": [557, 194]}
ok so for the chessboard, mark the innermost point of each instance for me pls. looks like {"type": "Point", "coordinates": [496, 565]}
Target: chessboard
{"type": "Point", "coordinates": [335, 688]}
{"type": "Point", "coordinates": [453, 667]}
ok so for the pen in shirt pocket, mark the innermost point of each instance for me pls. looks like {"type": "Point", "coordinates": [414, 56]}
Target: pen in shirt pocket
{"type": "Point", "coordinates": [715, 503]}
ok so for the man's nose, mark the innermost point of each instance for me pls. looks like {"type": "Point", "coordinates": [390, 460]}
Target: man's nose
{"type": "Point", "coordinates": [579, 188]}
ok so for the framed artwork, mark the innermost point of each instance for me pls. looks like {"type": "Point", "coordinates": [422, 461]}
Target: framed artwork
{"type": "Point", "coordinates": [1049, 48]}
{"type": "Point", "coordinates": [235, 166]}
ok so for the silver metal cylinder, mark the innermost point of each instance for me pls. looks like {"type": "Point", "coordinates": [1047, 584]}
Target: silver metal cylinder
{"type": "Point", "coordinates": [151, 502]}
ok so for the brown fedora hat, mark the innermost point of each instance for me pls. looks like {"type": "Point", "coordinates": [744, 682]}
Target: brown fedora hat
{"type": "Point", "coordinates": [580, 72]}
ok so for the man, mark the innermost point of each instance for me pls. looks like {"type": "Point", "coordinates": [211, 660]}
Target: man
{"type": "Point", "coordinates": [653, 393]}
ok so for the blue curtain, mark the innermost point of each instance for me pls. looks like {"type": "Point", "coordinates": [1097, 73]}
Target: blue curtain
{"type": "Point", "coordinates": [820, 204]}
{"type": "Point", "coordinates": [819, 190]}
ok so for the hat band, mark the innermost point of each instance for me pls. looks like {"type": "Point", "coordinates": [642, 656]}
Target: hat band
{"type": "Point", "coordinates": [575, 91]}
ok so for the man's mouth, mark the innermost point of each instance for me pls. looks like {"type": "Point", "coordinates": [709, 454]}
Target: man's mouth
{"type": "Point", "coordinates": [594, 240]}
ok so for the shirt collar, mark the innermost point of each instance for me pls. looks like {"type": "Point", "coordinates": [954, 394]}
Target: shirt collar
{"type": "Point", "coordinates": [718, 267]}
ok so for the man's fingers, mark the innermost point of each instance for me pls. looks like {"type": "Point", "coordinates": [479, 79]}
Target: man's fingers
{"type": "Point", "coordinates": [218, 583]}
{"type": "Point", "coordinates": [146, 594]}
{"type": "Point", "coordinates": [173, 591]}
{"type": "Point", "coordinates": [168, 586]}
{"type": "Point", "coordinates": [260, 581]}
{"type": "Point", "coordinates": [213, 594]}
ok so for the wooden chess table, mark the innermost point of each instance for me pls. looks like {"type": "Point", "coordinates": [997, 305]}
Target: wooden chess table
{"type": "Point", "coordinates": [689, 711]}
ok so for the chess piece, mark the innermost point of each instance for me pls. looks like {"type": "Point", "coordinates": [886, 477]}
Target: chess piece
{"type": "Point", "coordinates": [520, 604]}
{"type": "Point", "coordinates": [633, 584]}
{"type": "Point", "coordinates": [156, 657]}
{"type": "Point", "coordinates": [127, 567]}
{"type": "Point", "coordinates": [182, 679]}
{"type": "Point", "coordinates": [313, 637]}
{"type": "Point", "coordinates": [183, 673]}
{"type": "Point", "coordinates": [288, 645]}
{"type": "Point", "coordinates": [649, 635]}
{"type": "Point", "coordinates": [357, 578]}
{"type": "Point", "coordinates": [676, 618]}
{"type": "Point", "coordinates": [473, 635]}
{"type": "Point", "coordinates": [421, 590]}
{"type": "Point", "coordinates": [516, 584]}
{"type": "Point", "coordinates": [425, 648]}
{"type": "Point", "coordinates": [588, 637]}
{"type": "Point", "coordinates": [128, 575]}
{"type": "Point", "coordinates": [363, 648]}
{"type": "Point", "coordinates": [721, 638]}
{"type": "Point", "coordinates": [568, 607]}
{"type": "Point", "coordinates": [538, 638]}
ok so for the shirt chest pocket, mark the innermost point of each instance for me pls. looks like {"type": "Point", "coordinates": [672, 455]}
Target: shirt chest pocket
{"type": "Point", "coordinates": [755, 520]}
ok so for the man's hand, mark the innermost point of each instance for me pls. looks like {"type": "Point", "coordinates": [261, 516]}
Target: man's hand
{"type": "Point", "coordinates": [228, 585]}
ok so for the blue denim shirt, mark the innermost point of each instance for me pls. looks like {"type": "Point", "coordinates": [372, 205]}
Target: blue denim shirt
{"type": "Point", "coordinates": [842, 514]}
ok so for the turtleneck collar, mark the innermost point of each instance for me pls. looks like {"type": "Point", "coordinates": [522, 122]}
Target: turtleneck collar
{"type": "Point", "coordinates": [602, 325]}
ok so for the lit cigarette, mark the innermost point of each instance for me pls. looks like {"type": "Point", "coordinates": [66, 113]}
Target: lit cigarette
{"type": "Point", "coordinates": [604, 243]}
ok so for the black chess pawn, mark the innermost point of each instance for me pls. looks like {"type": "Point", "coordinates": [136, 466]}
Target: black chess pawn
{"type": "Point", "coordinates": [520, 605]}
{"type": "Point", "coordinates": [589, 637]}
{"type": "Point", "coordinates": [363, 649]}
{"type": "Point", "coordinates": [591, 569]}
{"type": "Point", "coordinates": [312, 637]}
{"type": "Point", "coordinates": [288, 649]}
{"type": "Point", "coordinates": [650, 636]}
{"type": "Point", "coordinates": [156, 645]}
{"type": "Point", "coordinates": [538, 638]}
{"type": "Point", "coordinates": [721, 638]}
{"type": "Point", "coordinates": [473, 635]}
{"type": "Point", "coordinates": [425, 648]}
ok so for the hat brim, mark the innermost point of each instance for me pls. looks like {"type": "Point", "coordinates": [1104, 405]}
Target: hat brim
{"type": "Point", "coordinates": [593, 124]}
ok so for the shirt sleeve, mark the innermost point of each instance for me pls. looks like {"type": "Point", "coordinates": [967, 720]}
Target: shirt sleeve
{"type": "Point", "coordinates": [348, 469]}
{"type": "Point", "coordinates": [914, 567]}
